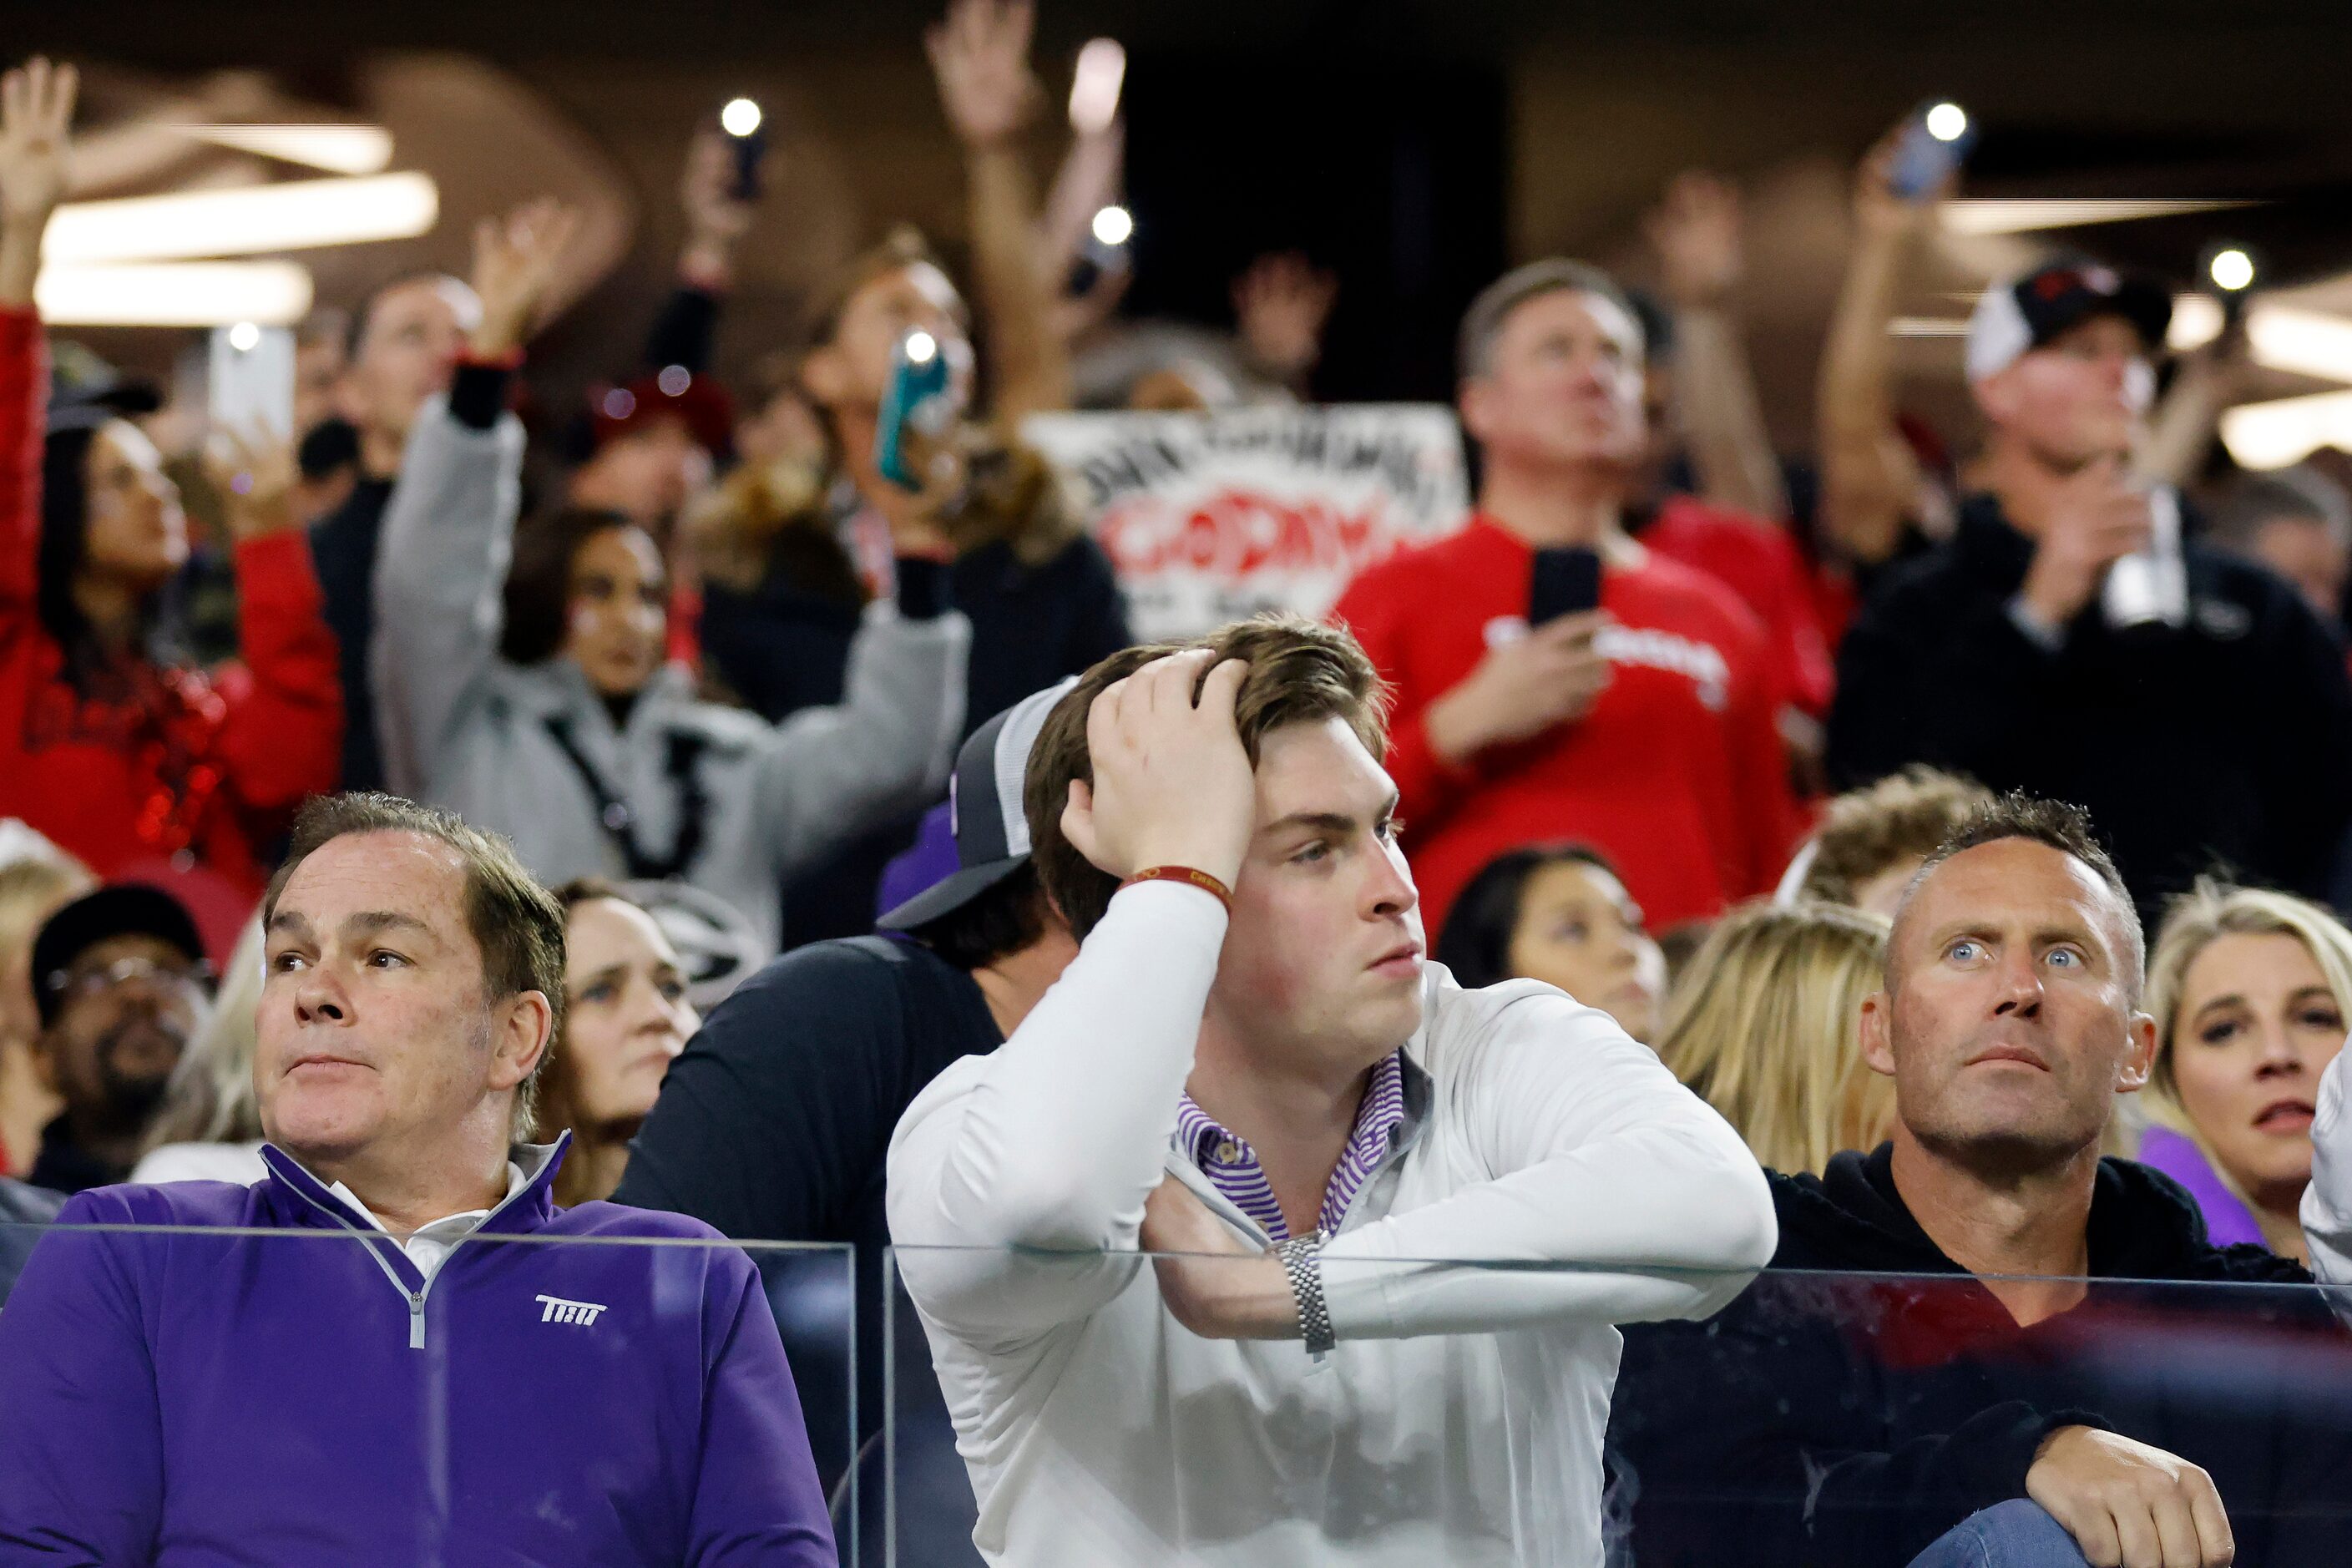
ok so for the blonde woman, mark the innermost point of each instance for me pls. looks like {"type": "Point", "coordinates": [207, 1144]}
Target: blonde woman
{"type": "Point", "coordinates": [1765, 1026]}
{"type": "Point", "coordinates": [2249, 989]}
{"type": "Point", "coordinates": [37, 880]}
{"type": "Point", "coordinates": [626, 1018]}
{"type": "Point", "coordinates": [209, 1127]}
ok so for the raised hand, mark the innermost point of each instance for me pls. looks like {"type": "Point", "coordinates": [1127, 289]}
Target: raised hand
{"type": "Point", "coordinates": [255, 471]}
{"type": "Point", "coordinates": [516, 258]}
{"type": "Point", "coordinates": [716, 218]}
{"type": "Point", "coordinates": [1172, 785]}
{"type": "Point", "coordinates": [1882, 213]}
{"type": "Point", "coordinates": [37, 103]}
{"type": "Point", "coordinates": [981, 56]}
{"type": "Point", "coordinates": [1281, 304]}
{"type": "Point", "coordinates": [1697, 230]}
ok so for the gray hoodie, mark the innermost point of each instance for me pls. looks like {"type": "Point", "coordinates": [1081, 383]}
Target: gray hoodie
{"type": "Point", "coordinates": [496, 742]}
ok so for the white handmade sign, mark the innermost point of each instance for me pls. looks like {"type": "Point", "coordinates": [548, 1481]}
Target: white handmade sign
{"type": "Point", "coordinates": [1210, 517]}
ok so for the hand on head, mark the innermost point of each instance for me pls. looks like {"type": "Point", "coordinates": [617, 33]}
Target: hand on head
{"type": "Point", "coordinates": [1172, 785]}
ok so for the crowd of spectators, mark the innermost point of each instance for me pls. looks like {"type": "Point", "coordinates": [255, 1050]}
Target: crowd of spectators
{"type": "Point", "coordinates": [1939, 882]}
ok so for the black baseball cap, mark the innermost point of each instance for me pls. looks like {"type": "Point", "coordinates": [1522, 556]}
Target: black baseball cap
{"type": "Point", "coordinates": [2021, 316]}
{"type": "Point", "coordinates": [124, 909]}
{"type": "Point", "coordinates": [992, 832]}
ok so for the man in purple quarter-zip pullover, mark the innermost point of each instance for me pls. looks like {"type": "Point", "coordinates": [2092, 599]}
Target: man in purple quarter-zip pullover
{"type": "Point", "coordinates": [415, 1373]}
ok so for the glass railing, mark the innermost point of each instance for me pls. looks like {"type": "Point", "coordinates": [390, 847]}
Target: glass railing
{"type": "Point", "coordinates": [305, 1396]}
{"type": "Point", "coordinates": [1818, 1418]}
{"type": "Point", "coordinates": [174, 1394]}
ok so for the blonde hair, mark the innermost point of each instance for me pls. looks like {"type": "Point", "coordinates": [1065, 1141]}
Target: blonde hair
{"type": "Point", "coordinates": [1867, 831]}
{"type": "Point", "coordinates": [2193, 920]}
{"type": "Point", "coordinates": [33, 886]}
{"type": "Point", "coordinates": [210, 1098]}
{"type": "Point", "coordinates": [1766, 1027]}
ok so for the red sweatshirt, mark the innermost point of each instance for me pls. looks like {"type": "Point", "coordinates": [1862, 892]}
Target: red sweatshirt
{"type": "Point", "coordinates": [1676, 774]}
{"type": "Point", "coordinates": [166, 771]}
{"type": "Point", "coordinates": [1760, 563]}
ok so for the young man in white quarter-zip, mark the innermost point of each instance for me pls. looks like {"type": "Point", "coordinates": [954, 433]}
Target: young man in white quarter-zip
{"type": "Point", "coordinates": [1250, 1059]}
{"type": "Point", "coordinates": [328, 1366]}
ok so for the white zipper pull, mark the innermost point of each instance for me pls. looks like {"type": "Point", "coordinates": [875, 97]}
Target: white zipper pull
{"type": "Point", "coordinates": [416, 1319]}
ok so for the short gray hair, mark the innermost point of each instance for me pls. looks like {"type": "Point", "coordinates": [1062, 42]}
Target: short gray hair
{"type": "Point", "coordinates": [1483, 321]}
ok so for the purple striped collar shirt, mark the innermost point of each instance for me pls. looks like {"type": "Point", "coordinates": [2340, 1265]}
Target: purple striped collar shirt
{"type": "Point", "coordinates": [1232, 1167]}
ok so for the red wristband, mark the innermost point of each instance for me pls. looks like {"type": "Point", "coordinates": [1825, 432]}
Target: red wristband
{"type": "Point", "coordinates": [1199, 880]}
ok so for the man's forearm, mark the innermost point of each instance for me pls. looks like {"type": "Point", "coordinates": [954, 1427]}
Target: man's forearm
{"type": "Point", "coordinates": [1068, 1134]}
{"type": "Point", "coordinates": [1723, 420]}
{"type": "Point", "coordinates": [1030, 366]}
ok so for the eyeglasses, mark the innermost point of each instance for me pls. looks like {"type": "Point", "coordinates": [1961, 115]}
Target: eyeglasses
{"type": "Point", "coordinates": [72, 984]}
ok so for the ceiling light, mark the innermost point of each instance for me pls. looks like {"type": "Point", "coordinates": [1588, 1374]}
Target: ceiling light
{"type": "Point", "coordinates": [176, 294]}
{"type": "Point", "coordinates": [740, 117]}
{"type": "Point", "coordinates": [1929, 327]}
{"type": "Point", "coordinates": [2273, 435]}
{"type": "Point", "coordinates": [2230, 269]}
{"type": "Point", "coordinates": [2025, 215]}
{"type": "Point", "coordinates": [341, 148]}
{"type": "Point", "coordinates": [1113, 225]}
{"type": "Point", "coordinates": [1947, 122]}
{"type": "Point", "coordinates": [293, 216]}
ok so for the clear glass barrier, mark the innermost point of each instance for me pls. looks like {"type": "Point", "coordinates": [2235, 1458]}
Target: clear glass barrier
{"type": "Point", "coordinates": [1482, 1413]}
{"type": "Point", "coordinates": [304, 1395]}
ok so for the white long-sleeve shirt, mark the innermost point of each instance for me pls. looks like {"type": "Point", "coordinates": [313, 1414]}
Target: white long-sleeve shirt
{"type": "Point", "coordinates": [1460, 1420]}
{"type": "Point", "coordinates": [2327, 1201]}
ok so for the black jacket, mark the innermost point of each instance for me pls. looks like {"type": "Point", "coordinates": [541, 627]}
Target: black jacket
{"type": "Point", "coordinates": [1835, 1417]}
{"type": "Point", "coordinates": [342, 550]}
{"type": "Point", "coordinates": [2228, 741]}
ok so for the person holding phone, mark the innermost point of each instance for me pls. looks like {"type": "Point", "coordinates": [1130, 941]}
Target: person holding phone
{"type": "Point", "coordinates": [535, 700]}
{"type": "Point", "coordinates": [2213, 727]}
{"type": "Point", "coordinates": [1555, 678]}
{"type": "Point", "coordinates": [135, 764]}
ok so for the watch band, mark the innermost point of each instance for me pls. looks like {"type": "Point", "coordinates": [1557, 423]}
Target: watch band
{"type": "Point", "coordinates": [1302, 1262]}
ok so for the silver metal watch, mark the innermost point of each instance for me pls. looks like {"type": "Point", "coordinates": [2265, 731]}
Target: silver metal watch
{"type": "Point", "coordinates": [1302, 1262]}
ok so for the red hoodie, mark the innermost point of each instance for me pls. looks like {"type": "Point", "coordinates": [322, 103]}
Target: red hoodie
{"type": "Point", "coordinates": [167, 775]}
{"type": "Point", "coordinates": [1677, 773]}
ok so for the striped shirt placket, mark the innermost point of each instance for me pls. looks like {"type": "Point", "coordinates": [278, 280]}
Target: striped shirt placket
{"type": "Point", "coordinates": [1232, 1165]}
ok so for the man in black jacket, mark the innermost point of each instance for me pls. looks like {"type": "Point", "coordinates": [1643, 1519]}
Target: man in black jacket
{"type": "Point", "coordinates": [2208, 721]}
{"type": "Point", "coordinates": [1972, 1353]}
{"type": "Point", "coordinates": [774, 1124]}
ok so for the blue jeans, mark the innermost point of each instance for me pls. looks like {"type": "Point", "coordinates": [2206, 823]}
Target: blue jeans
{"type": "Point", "coordinates": [2014, 1534]}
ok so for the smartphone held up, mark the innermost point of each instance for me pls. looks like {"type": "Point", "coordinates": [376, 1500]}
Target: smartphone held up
{"type": "Point", "coordinates": [1935, 142]}
{"type": "Point", "coordinates": [249, 380]}
{"type": "Point", "coordinates": [928, 389]}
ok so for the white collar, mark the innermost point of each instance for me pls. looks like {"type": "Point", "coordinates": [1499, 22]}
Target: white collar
{"type": "Point", "coordinates": [448, 1228]}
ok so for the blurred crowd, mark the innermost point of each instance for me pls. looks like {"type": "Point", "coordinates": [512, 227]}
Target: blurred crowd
{"type": "Point", "coordinates": [1674, 720]}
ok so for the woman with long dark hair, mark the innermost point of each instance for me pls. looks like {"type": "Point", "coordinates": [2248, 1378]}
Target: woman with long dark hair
{"type": "Point", "coordinates": [129, 759]}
